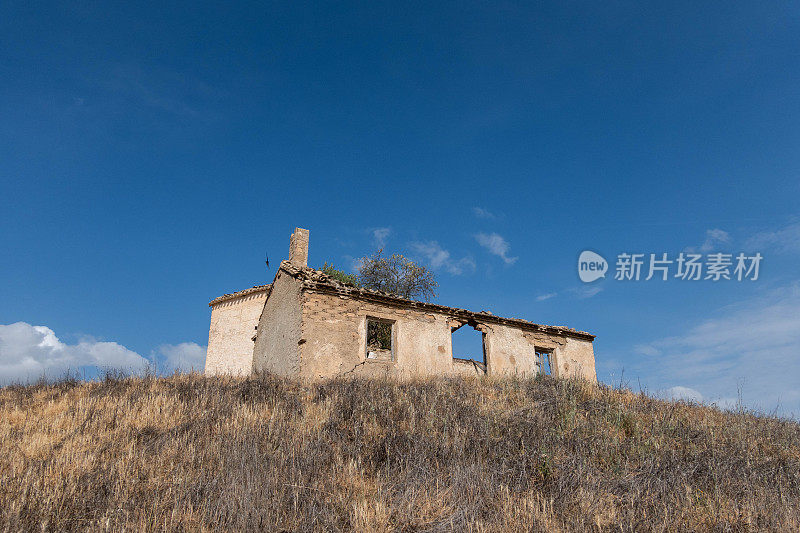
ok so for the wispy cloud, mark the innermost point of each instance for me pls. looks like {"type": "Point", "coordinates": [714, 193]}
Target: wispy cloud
{"type": "Point", "coordinates": [379, 236]}
{"type": "Point", "coordinates": [495, 244]}
{"type": "Point", "coordinates": [543, 297]}
{"type": "Point", "coordinates": [160, 90]}
{"type": "Point", "coordinates": [715, 238]}
{"type": "Point", "coordinates": [752, 346]}
{"type": "Point", "coordinates": [646, 349]}
{"type": "Point", "coordinates": [586, 291]}
{"type": "Point", "coordinates": [354, 262]}
{"type": "Point", "coordinates": [439, 258]}
{"type": "Point", "coordinates": [786, 239]}
{"type": "Point", "coordinates": [483, 213]}
{"type": "Point", "coordinates": [164, 101]}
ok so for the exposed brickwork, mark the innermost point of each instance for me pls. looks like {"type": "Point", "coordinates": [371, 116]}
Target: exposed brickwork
{"type": "Point", "coordinates": [312, 326]}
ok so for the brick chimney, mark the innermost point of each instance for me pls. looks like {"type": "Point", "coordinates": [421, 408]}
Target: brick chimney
{"type": "Point", "coordinates": [298, 248]}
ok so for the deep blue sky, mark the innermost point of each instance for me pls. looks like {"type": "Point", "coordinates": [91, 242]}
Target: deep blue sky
{"type": "Point", "coordinates": [151, 154]}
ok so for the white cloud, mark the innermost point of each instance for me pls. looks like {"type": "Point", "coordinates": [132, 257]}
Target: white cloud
{"type": "Point", "coordinates": [183, 357]}
{"type": "Point", "coordinates": [483, 213]}
{"type": "Point", "coordinates": [438, 258]}
{"type": "Point", "coordinates": [682, 393]}
{"type": "Point", "coordinates": [356, 263]}
{"type": "Point", "coordinates": [543, 297]}
{"type": "Point", "coordinates": [750, 349]}
{"type": "Point", "coordinates": [29, 352]}
{"type": "Point", "coordinates": [379, 236]}
{"type": "Point", "coordinates": [646, 349]}
{"type": "Point", "coordinates": [715, 238]}
{"type": "Point", "coordinates": [435, 254]}
{"type": "Point", "coordinates": [496, 245]}
{"type": "Point", "coordinates": [162, 90]}
{"type": "Point", "coordinates": [786, 239]}
{"type": "Point", "coordinates": [587, 291]}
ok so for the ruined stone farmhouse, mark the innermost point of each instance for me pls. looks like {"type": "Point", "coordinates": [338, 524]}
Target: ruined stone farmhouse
{"type": "Point", "coordinates": [306, 324]}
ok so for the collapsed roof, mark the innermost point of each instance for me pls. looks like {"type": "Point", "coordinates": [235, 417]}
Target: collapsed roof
{"type": "Point", "coordinates": [313, 279]}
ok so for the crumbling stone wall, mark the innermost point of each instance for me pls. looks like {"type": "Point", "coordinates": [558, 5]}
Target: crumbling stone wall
{"type": "Point", "coordinates": [319, 335]}
{"type": "Point", "coordinates": [513, 352]}
{"type": "Point", "coordinates": [333, 342]}
{"type": "Point", "coordinates": [576, 359]}
{"type": "Point", "coordinates": [233, 322]}
{"type": "Point", "coordinates": [277, 342]}
{"type": "Point", "coordinates": [314, 327]}
{"type": "Point", "coordinates": [334, 339]}
{"type": "Point", "coordinates": [509, 351]}
{"type": "Point", "coordinates": [467, 368]}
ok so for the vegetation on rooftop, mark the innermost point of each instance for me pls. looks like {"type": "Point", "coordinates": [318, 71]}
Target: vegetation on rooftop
{"type": "Point", "coordinates": [395, 274]}
{"type": "Point", "coordinates": [340, 275]}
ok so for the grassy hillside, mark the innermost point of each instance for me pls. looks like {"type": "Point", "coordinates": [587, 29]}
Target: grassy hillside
{"type": "Point", "coordinates": [267, 453]}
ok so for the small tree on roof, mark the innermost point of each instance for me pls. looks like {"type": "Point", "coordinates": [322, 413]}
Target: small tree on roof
{"type": "Point", "coordinates": [398, 275]}
{"type": "Point", "coordinates": [340, 275]}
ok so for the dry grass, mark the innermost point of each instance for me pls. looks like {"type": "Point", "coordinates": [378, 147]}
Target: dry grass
{"type": "Point", "coordinates": [192, 453]}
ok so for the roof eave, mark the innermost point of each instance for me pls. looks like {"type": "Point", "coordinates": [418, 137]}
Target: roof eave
{"type": "Point", "coordinates": [234, 295]}
{"type": "Point", "coordinates": [465, 314]}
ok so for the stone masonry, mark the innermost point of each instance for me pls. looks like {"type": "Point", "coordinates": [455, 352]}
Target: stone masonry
{"type": "Point", "coordinates": [306, 324]}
